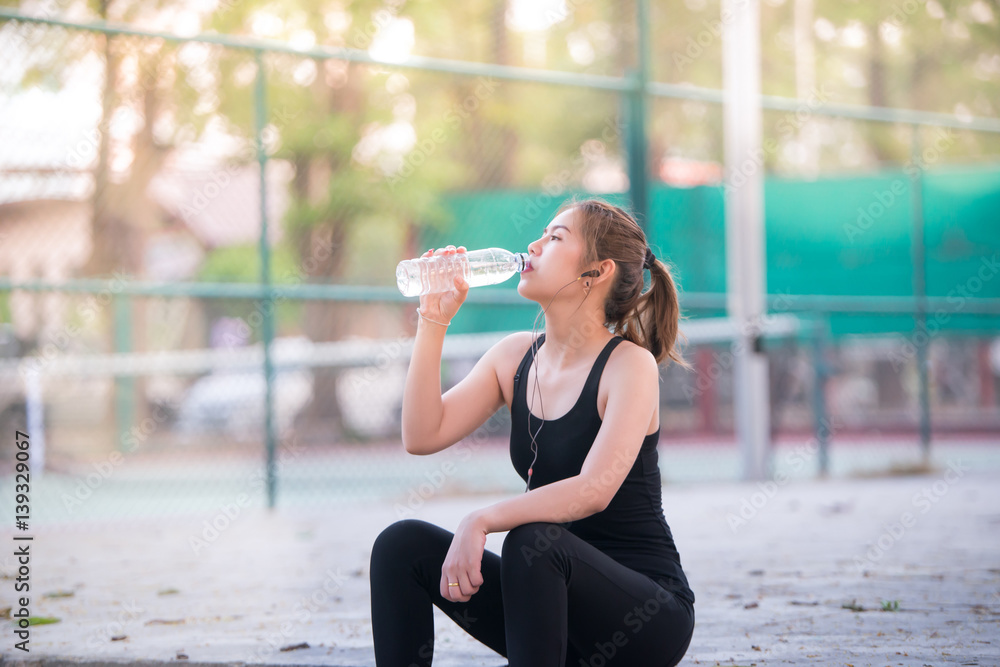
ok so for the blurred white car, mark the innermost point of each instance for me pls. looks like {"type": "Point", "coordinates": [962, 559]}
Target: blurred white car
{"type": "Point", "coordinates": [231, 403]}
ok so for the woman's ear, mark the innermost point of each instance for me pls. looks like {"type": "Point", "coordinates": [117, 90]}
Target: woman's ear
{"type": "Point", "coordinates": [607, 267]}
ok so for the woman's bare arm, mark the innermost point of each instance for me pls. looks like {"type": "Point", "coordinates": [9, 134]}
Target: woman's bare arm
{"type": "Point", "coordinates": [633, 398]}
{"type": "Point", "coordinates": [432, 422]}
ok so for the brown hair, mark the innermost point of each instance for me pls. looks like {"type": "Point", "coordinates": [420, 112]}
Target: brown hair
{"type": "Point", "coordinates": [649, 319]}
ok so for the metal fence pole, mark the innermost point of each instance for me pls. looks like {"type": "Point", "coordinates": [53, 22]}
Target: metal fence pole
{"type": "Point", "coordinates": [267, 302]}
{"type": "Point", "coordinates": [821, 423]}
{"type": "Point", "coordinates": [919, 254]}
{"type": "Point", "coordinates": [635, 106]}
{"type": "Point", "coordinates": [124, 386]}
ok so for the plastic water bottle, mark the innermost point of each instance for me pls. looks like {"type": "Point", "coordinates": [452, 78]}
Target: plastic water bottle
{"type": "Point", "coordinates": [489, 266]}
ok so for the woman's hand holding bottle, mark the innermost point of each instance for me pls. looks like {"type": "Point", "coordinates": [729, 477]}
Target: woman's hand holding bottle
{"type": "Point", "coordinates": [442, 306]}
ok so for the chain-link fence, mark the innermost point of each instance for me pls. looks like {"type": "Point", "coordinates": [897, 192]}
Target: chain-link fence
{"type": "Point", "coordinates": [170, 204]}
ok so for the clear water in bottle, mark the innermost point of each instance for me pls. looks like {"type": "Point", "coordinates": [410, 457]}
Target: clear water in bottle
{"type": "Point", "coordinates": [489, 266]}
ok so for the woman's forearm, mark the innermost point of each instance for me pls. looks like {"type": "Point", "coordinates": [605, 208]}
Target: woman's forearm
{"type": "Point", "coordinates": [566, 500]}
{"type": "Point", "coordinates": [422, 408]}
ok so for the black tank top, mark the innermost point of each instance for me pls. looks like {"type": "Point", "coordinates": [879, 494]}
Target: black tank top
{"type": "Point", "coordinates": [632, 528]}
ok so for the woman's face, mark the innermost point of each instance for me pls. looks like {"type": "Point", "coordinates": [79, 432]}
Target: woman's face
{"type": "Point", "coordinates": [555, 257]}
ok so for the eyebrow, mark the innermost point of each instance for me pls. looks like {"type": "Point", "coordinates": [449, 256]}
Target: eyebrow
{"type": "Point", "coordinates": [556, 226]}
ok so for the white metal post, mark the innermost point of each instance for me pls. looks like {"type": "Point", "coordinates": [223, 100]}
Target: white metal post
{"type": "Point", "coordinates": [744, 202]}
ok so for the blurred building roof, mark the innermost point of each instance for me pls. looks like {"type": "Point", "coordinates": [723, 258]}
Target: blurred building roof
{"type": "Point", "coordinates": [220, 204]}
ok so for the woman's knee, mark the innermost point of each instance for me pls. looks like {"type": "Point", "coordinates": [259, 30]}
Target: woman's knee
{"type": "Point", "coordinates": [529, 542]}
{"type": "Point", "coordinates": [402, 536]}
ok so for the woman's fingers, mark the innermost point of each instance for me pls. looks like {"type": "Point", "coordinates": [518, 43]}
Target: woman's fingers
{"type": "Point", "coordinates": [449, 592]}
{"type": "Point", "coordinates": [447, 250]}
{"type": "Point", "coordinates": [461, 593]}
{"type": "Point", "coordinates": [465, 586]}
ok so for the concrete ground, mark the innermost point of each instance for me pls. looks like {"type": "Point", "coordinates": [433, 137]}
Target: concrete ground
{"type": "Point", "coordinates": [784, 574]}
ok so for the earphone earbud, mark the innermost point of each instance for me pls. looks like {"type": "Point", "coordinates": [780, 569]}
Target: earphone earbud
{"type": "Point", "coordinates": [593, 274]}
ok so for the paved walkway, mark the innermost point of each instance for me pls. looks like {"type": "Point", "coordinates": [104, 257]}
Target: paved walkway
{"type": "Point", "coordinates": [790, 574]}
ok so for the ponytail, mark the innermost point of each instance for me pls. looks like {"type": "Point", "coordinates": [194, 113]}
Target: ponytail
{"type": "Point", "coordinates": [654, 321]}
{"type": "Point", "coordinates": [649, 319]}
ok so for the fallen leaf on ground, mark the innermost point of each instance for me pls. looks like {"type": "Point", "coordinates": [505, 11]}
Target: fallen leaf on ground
{"type": "Point", "coordinates": [293, 647]}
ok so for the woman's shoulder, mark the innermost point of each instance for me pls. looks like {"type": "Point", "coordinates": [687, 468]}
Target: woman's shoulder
{"type": "Point", "coordinates": [506, 355]}
{"type": "Point", "coordinates": [631, 359]}
{"type": "Point", "coordinates": [519, 344]}
{"type": "Point", "coordinates": [515, 343]}
{"type": "Point", "coordinates": [626, 354]}
{"type": "Point", "coordinates": [510, 349]}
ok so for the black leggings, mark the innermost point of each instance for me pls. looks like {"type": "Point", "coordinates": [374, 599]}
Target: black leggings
{"type": "Point", "coordinates": [550, 600]}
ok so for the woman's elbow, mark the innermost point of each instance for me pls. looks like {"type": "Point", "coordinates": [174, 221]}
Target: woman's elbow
{"type": "Point", "coordinates": [411, 445]}
{"type": "Point", "coordinates": [418, 445]}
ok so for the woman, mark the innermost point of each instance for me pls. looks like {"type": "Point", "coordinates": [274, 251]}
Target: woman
{"type": "Point", "coordinates": [588, 574]}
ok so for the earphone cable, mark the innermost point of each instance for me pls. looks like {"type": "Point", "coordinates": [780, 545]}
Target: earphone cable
{"type": "Point", "coordinates": [541, 405]}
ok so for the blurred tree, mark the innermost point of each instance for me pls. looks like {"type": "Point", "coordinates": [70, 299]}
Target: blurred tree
{"type": "Point", "coordinates": [933, 55]}
{"type": "Point", "coordinates": [376, 147]}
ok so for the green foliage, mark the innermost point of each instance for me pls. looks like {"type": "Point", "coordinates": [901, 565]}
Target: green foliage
{"type": "Point", "coordinates": [852, 605]}
{"type": "Point", "coordinates": [42, 620]}
{"type": "Point", "coordinates": [241, 264]}
{"type": "Point", "coordinates": [473, 135]}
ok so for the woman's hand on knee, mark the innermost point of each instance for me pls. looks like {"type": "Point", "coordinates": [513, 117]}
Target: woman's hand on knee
{"type": "Point", "coordinates": [463, 564]}
{"type": "Point", "coordinates": [468, 584]}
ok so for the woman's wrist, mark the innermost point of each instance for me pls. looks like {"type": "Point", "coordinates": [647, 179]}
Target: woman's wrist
{"type": "Point", "coordinates": [435, 321]}
{"type": "Point", "coordinates": [478, 521]}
